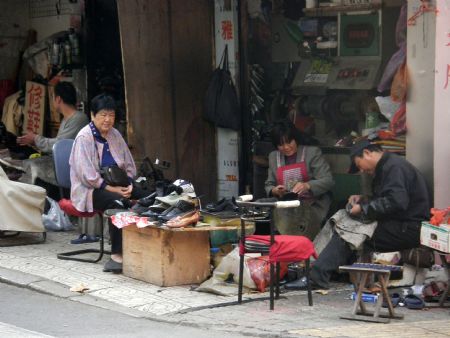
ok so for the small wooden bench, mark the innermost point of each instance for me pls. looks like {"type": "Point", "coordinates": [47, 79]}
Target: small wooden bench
{"type": "Point", "coordinates": [382, 273]}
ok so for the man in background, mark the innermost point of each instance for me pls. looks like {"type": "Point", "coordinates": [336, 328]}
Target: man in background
{"type": "Point", "coordinates": [40, 171]}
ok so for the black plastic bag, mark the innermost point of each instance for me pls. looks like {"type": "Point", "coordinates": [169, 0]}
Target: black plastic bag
{"type": "Point", "coordinates": [221, 101]}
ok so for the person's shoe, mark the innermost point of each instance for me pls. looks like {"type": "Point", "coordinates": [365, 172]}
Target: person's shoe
{"type": "Point", "coordinates": [84, 238]}
{"type": "Point", "coordinates": [301, 284]}
{"type": "Point", "coordinates": [112, 266]}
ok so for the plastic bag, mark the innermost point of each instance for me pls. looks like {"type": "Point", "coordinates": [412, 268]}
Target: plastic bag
{"type": "Point", "coordinates": [260, 271]}
{"type": "Point", "coordinates": [387, 106]}
{"type": "Point", "coordinates": [228, 266]}
{"type": "Point", "coordinates": [399, 87]}
{"type": "Point", "coordinates": [398, 122]}
{"type": "Point", "coordinates": [55, 219]}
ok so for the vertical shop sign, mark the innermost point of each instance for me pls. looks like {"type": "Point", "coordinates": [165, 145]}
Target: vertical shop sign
{"type": "Point", "coordinates": [34, 108]}
{"type": "Point", "coordinates": [225, 23]}
{"type": "Point", "coordinates": [227, 30]}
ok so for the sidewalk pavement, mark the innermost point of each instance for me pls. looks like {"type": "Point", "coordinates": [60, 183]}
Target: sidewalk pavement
{"type": "Point", "coordinates": [36, 267]}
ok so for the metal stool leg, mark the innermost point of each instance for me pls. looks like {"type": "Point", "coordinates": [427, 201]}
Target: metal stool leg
{"type": "Point", "coordinates": [308, 281]}
{"type": "Point", "coordinates": [277, 281]}
{"type": "Point", "coordinates": [272, 273]}
{"type": "Point", "coordinates": [241, 277]}
{"type": "Point", "coordinates": [70, 255]}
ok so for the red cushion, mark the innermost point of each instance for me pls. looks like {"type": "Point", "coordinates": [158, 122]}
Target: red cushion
{"type": "Point", "coordinates": [286, 248]}
{"type": "Point", "coordinates": [67, 206]}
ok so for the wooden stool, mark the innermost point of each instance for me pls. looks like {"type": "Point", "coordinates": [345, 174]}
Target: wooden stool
{"type": "Point", "coordinates": [382, 272]}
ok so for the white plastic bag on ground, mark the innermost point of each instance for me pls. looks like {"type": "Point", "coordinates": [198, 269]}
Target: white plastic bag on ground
{"type": "Point", "coordinates": [229, 265]}
{"type": "Point", "coordinates": [55, 219]}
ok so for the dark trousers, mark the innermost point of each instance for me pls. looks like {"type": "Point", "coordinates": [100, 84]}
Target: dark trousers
{"type": "Point", "coordinates": [388, 236]}
{"type": "Point", "coordinates": [104, 200]}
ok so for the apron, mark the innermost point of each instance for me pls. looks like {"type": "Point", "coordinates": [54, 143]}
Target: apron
{"type": "Point", "coordinates": [289, 175]}
{"type": "Point", "coordinates": [296, 221]}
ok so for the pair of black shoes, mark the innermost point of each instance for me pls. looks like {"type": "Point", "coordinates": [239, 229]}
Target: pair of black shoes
{"type": "Point", "coordinates": [143, 204]}
{"type": "Point", "coordinates": [225, 204]}
{"type": "Point", "coordinates": [180, 208]}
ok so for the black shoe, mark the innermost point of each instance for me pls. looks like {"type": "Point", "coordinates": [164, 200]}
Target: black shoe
{"type": "Point", "coordinates": [301, 284]}
{"type": "Point", "coordinates": [181, 208]}
{"type": "Point", "coordinates": [148, 200]}
{"type": "Point", "coordinates": [112, 266]}
{"type": "Point", "coordinates": [139, 209]}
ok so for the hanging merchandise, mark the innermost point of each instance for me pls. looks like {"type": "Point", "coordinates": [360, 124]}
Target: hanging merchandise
{"type": "Point", "coordinates": [221, 101]}
{"type": "Point", "coordinates": [54, 54]}
{"type": "Point", "coordinates": [75, 46]}
{"type": "Point", "coordinates": [399, 88]}
{"type": "Point", "coordinates": [67, 52]}
{"type": "Point", "coordinates": [399, 56]}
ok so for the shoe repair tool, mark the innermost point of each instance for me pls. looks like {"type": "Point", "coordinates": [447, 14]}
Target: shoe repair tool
{"type": "Point", "coordinates": [366, 271]}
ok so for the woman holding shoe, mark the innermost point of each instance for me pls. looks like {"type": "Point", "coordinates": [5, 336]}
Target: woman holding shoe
{"type": "Point", "coordinates": [298, 171]}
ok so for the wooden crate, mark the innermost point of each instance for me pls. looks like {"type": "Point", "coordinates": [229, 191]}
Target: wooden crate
{"type": "Point", "coordinates": [166, 257]}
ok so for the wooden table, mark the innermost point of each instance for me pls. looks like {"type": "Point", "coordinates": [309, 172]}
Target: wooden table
{"type": "Point", "coordinates": [168, 256]}
{"type": "Point", "coordinates": [359, 311]}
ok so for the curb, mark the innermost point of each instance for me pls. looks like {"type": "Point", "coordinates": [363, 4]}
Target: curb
{"type": "Point", "coordinates": [55, 289]}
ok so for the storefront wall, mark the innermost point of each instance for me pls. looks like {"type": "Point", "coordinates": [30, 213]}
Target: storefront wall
{"type": "Point", "coordinates": [14, 24]}
{"type": "Point", "coordinates": [167, 58]}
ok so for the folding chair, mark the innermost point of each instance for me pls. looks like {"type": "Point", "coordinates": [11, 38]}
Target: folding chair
{"type": "Point", "coordinates": [61, 154]}
{"type": "Point", "coordinates": [280, 248]}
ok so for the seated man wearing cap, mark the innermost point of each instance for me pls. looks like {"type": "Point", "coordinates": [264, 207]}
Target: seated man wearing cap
{"type": "Point", "coordinates": [399, 203]}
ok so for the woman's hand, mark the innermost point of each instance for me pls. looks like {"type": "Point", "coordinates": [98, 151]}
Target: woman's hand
{"type": "Point", "coordinates": [278, 191]}
{"type": "Point", "coordinates": [122, 191]}
{"type": "Point", "coordinates": [126, 192]}
{"type": "Point", "coordinates": [301, 188]}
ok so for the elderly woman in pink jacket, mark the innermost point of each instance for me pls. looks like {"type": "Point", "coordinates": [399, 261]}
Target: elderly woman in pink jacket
{"type": "Point", "coordinates": [96, 146]}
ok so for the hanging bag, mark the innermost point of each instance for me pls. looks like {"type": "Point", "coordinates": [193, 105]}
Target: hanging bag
{"type": "Point", "coordinates": [221, 101]}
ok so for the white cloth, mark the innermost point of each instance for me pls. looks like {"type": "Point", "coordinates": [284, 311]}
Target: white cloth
{"type": "Point", "coordinates": [21, 205]}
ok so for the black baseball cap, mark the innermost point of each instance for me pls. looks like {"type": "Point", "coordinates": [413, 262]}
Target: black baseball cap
{"type": "Point", "coordinates": [354, 150]}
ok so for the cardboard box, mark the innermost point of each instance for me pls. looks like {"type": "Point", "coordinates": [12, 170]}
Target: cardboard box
{"type": "Point", "coordinates": [436, 237]}
{"type": "Point", "coordinates": [166, 257]}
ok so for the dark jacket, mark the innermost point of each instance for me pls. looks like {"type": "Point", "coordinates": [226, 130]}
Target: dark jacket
{"type": "Point", "coordinates": [399, 192]}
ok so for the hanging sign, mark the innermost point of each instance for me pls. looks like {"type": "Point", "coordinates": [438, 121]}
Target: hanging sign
{"type": "Point", "coordinates": [34, 108]}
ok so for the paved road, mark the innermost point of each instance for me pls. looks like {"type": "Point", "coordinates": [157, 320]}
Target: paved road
{"type": "Point", "coordinates": [25, 313]}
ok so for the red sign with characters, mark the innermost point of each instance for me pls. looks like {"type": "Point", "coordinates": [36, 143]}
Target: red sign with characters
{"type": "Point", "coordinates": [227, 30]}
{"type": "Point", "coordinates": [34, 108]}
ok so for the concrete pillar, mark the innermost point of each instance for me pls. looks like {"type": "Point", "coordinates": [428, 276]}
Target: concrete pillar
{"type": "Point", "coordinates": [428, 112]}
{"type": "Point", "coordinates": [420, 102]}
{"type": "Point", "coordinates": [442, 107]}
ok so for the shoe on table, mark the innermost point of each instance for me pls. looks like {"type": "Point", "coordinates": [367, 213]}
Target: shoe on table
{"type": "Point", "coordinates": [112, 266]}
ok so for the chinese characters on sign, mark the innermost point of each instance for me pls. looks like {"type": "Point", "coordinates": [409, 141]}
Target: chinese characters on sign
{"type": "Point", "coordinates": [227, 30]}
{"type": "Point", "coordinates": [34, 108]}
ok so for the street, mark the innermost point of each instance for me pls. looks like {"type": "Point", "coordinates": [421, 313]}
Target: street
{"type": "Point", "coordinates": [25, 313]}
